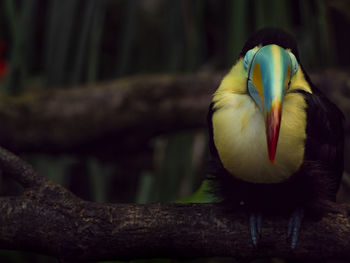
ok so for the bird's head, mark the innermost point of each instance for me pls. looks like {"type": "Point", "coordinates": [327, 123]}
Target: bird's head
{"type": "Point", "coordinates": [270, 66]}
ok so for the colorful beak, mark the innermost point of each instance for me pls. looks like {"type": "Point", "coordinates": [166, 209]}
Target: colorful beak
{"type": "Point", "coordinates": [270, 75]}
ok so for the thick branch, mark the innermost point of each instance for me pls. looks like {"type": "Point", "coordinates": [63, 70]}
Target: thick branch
{"type": "Point", "coordinates": [77, 119]}
{"type": "Point", "coordinates": [49, 219]}
{"type": "Point", "coordinates": [81, 119]}
{"type": "Point", "coordinates": [76, 229]}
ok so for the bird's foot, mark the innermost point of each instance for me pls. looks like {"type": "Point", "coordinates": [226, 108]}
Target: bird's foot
{"type": "Point", "coordinates": [255, 227]}
{"type": "Point", "coordinates": [294, 226]}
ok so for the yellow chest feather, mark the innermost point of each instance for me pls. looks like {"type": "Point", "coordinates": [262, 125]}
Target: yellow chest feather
{"type": "Point", "coordinates": [239, 130]}
{"type": "Point", "coordinates": [240, 138]}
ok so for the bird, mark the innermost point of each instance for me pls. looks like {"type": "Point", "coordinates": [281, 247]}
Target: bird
{"type": "Point", "coordinates": [276, 141]}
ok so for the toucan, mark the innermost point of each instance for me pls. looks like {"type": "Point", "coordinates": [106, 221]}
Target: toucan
{"type": "Point", "coordinates": [276, 141]}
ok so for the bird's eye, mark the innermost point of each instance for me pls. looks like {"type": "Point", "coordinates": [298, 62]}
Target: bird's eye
{"type": "Point", "coordinates": [248, 58]}
{"type": "Point", "coordinates": [294, 63]}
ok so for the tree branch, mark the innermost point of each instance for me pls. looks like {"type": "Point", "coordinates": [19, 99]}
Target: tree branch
{"type": "Point", "coordinates": [82, 119]}
{"type": "Point", "coordinates": [19, 170]}
{"type": "Point", "coordinates": [49, 219]}
{"type": "Point", "coordinates": [75, 119]}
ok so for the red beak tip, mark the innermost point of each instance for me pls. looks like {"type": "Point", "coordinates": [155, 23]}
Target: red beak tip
{"type": "Point", "coordinates": [272, 155]}
{"type": "Point", "coordinates": [272, 131]}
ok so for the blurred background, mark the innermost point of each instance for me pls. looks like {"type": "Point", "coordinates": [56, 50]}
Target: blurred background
{"type": "Point", "coordinates": [52, 47]}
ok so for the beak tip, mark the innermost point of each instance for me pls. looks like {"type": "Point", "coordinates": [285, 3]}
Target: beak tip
{"type": "Point", "coordinates": [272, 131]}
{"type": "Point", "coordinates": [272, 156]}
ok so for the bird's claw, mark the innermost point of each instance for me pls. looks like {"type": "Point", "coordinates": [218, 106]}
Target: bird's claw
{"type": "Point", "coordinates": [294, 226]}
{"type": "Point", "coordinates": [255, 227]}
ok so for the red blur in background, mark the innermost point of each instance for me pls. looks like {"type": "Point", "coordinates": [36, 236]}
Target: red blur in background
{"type": "Point", "coordinates": [3, 62]}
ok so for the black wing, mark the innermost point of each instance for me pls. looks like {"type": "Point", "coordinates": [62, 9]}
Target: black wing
{"type": "Point", "coordinates": [325, 140]}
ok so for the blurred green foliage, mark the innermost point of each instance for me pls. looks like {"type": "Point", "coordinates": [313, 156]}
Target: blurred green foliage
{"type": "Point", "coordinates": [62, 43]}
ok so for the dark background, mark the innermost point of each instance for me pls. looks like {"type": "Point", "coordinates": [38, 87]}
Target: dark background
{"type": "Point", "coordinates": [60, 44]}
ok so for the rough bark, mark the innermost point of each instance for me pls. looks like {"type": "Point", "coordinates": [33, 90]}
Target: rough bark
{"type": "Point", "coordinates": [77, 118]}
{"type": "Point", "coordinates": [82, 119]}
{"type": "Point", "coordinates": [49, 219]}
